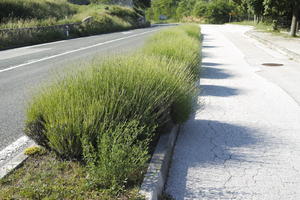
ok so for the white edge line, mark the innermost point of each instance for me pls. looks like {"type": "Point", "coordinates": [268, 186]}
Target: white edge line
{"type": "Point", "coordinates": [40, 45]}
{"type": "Point", "coordinates": [13, 155]}
{"type": "Point", "coordinates": [73, 51]}
{"type": "Point", "coordinates": [11, 149]}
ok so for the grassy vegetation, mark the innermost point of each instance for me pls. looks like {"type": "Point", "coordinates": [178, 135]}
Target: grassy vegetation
{"type": "Point", "coordinates": [47, 177]}
{"type": "Point", "coordinates": [37, 13]}
{"type": "Point", "coordinates": [266, 27]}
{"type": "Point", "coordinates": [260, 26]}
{"type": "Point", "coordinates": [30, 13]}
{"type": "Point", "coordinates": [106, 115]}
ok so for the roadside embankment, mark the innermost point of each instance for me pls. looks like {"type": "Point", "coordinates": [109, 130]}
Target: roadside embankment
{"type": "Point", "coordinates": [31, 22]}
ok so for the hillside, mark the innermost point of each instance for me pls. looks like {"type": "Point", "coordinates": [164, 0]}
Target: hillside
{"type": "Point", "coordinates": [43, 13]}
{"type": "Point", "coordinates": [25, 13]}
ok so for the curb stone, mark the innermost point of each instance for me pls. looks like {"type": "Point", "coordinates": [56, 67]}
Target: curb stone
{"type": "Point", "coordinates": [155, 178]}
{"type": "Point", "coordinates": [15, 162]}
{"type": "Point", "coordinates": [271, 45]}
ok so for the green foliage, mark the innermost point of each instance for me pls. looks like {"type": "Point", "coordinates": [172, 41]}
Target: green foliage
{"type": "Point", "coordinates": [19, 38]}
{"type": "Point", "coordinates": [162, 7]}
{"type": "Point", "coordinates": [185, 8]}
{"type": "Point", "coordinates": [35, 150]}
{"type": "Point", "coordinates": [116, 18]}
{"type": "Point", "coordinates": [200, 8]}
{"type": "Point", "coordinates": [120, 156]}
{"type": "Point", "coordinates": [188, 54]}
{"type": "Point", "coordinates": [214, 11]}
{"type": "Point", "coordinates": [142, 3]}
{"type": "Point", "coordinates": [104, 23]}
{"type": "Point", "coordinates": [122, 12]}
{"type": "Point", "coordinates": [84, 104]}
{"type": "Point", "coordinates": [21, 9]}
{"type": "Point", "coordinates": [256, 6]}
{"type": "Point", "coordinates": [273, 12]}
{"type": "Point", "coordinates": [218, 11]}
{"type": "Point", "coordinates": [47, 177]}
{"type": "Point", "coordinates": [106, 114]}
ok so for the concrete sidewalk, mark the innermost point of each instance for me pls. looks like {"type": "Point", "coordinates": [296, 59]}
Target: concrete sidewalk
{"type": "Point", "coordinates": [244, 140]}
{"type": "Point", "coordinates": [284, 44]}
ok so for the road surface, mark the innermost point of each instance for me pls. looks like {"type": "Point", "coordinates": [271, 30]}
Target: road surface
{"type": "Point", "coordinates": [23, 70]}
{"type": "Point", "coordinates": [243, 142]}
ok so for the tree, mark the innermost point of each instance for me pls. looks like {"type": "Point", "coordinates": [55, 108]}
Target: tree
{"type": "Point", "coordinates": [282, 9]}
{"type": "Point", "coordinates": [141, 5]}
{"type": "Point", "coordinates": [185, 8]}
{"type": "Point", "coordinates": [200, 8]}
{"type": "Point", "coordinates": [295, 19]}
{"type": "Point", "coordinates": [218, 11]}
{"type": "Point", "coordinates": [163, 7]}
{"type": "Point", "coordinates": [257, 7]}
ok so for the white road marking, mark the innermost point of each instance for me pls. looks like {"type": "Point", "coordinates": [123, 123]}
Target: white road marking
{"type": "Point", "coordinates": [127, 32]}
{"type": "Point", "coordinates": [40, 45]}
{"type": "Point", "coordinates": [73, 51]}
{"type": "Point", "coordinates": [13, 148]}
{"type": "Point", "coordinates": [20, 52]}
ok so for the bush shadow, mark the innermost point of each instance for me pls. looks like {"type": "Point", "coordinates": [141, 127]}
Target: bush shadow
{"type": "Point", "coordinates": [209, 47]}
{"type": "Point", "coordinates": [209, 72]}
{"type": "Point", "coordinates": [208, 144]}
{"type": "Point", "coordinates": [218, 91]}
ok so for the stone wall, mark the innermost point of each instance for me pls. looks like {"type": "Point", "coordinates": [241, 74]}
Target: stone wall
{"type": "Point", "coordinates": [128, 3]}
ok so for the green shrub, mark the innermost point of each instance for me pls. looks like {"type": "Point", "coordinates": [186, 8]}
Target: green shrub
{"type": "Point", "coordinates": [85, 103]}
{"type": "Point", "coordinates": [173, 48]}
{"type": "Point", "coordinates": [122, 12]}
{"type": "Point", "coordinates": [26, 37]}
{"type": "Point", "coordinates": [185, 8]}
{"type": "Point", "coordinates": [106, 114]}
{"type": "Point", "coordinates": [200, 8]}
{"type": "Point", "coordinates": [217, 12]}
{"type": "Point", "coordinates": [35, 150]}
{"type": "Point", "coordinates": [104, 23]}
{"type": "Point", "coordinates": [120, 156]}
{"type": "Point", "coordinates": [21, 9]}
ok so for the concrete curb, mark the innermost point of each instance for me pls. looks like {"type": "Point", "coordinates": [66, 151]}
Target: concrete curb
{"type": "Point", "coordinates": [271, 45]}
{"type": "Point", "coordinates": [15, 162]}
{"type": "Point", "coordinates": [155, 178]}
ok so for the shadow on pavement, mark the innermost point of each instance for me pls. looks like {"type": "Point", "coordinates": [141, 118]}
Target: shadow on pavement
{"type": "Point", "coordinates": [208, 144]}
{"type": "Point", "coordinates": [208, 47]}
{"type": "Point", "coordinates": [209, 72]}
{"type": "Point", "coordinates": [218, 91]}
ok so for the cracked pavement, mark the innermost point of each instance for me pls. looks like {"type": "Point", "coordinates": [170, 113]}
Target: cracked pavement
{"type": "Point", "coordinates": [243, 142]}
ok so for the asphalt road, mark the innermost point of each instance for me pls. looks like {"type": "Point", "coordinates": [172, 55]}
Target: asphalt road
{"type": "Point", "coordinates": [23, 70]}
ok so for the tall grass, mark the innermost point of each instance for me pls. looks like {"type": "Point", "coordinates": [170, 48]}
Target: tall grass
{"type": "Point", "coordinates": [180, 44]}
{"type": "Point", "coordinates": [117, 90]}
{"type": "Point", "coordinates": [35, 9]}
{"type": "Point", "coordinates": [106, 114]}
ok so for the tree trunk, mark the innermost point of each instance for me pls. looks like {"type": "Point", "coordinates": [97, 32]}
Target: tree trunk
{"type": "Point", "coordinates": [295, 20]}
